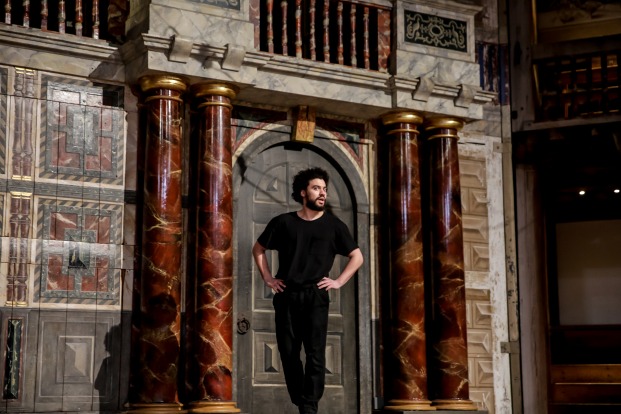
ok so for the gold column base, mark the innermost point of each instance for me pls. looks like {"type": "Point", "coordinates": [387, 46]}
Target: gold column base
{"type": "Point", "coordinates": [160, 408]}
{"type": "Point", "coordinates": [222, 407]}
{"type": "Point", "coordinates": [457, 405]}
{"type": "Point", "coordinates": [409, 405]}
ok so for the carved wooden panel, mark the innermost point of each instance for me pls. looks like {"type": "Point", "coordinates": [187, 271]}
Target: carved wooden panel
{"type": "Point", "coordinates": [474, 210]}
{"type": "Point", "coordinates": [480, 366]}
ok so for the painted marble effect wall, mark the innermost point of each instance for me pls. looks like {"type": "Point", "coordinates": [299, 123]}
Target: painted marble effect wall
{"type": "Point", "coordinates": [68, 175]}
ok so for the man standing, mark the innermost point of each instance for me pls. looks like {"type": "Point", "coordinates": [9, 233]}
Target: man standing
{"type": "Point", "coordinates": [307, 242]}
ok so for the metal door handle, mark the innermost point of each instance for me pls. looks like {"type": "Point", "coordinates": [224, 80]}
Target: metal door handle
{"type": "Point", "coordinates": [243, 326]}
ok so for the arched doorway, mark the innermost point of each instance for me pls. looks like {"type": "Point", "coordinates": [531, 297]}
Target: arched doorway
{"type": "Point", "coordinates": [262, 178]}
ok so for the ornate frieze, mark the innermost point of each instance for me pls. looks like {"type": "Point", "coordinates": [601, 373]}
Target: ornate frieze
{"type": "Point", "coordinates": [437, 31]}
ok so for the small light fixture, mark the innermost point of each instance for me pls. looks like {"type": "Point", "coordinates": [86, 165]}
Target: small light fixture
{"type": "Point", "coordinates": [616, 191]}
{"type": "Point", "coordinates": [582, 192]}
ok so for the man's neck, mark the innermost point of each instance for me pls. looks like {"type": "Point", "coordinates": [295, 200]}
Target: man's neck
{"type": "Point", "coordinates": [309, 215]}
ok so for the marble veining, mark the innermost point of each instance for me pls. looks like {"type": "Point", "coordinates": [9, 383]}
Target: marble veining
{"type": "Point", "coordinates": [167, 21]}
{"type": "Point", "coordinates": [449, 338]}
{"type": "Point", "coordinates": [406, 355]}
{"type": "Point", "coordinates": [213, 337]}
{"type": "Point", "coordinates": [160, 322]}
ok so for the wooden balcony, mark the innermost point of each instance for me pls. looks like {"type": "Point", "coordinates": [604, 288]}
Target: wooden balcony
{"type": "Point", "coordinates": [84, 18]}
{"type": "Point", "coordinates": [578, 86]}
{"type": "Point", "coordinates": [349, 33]}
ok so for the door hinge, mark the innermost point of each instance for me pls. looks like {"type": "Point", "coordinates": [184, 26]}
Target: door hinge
{"type": "Point", "coordinates": [502, 147]}
{"type": "Point", "coordinates": [512, 347]}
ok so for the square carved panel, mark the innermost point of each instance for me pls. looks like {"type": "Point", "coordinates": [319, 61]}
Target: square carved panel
{"type": "Point", "coordinates": [82, 131]}
{"type": "Point", "coordinates": [75, 367]}
{"type": "Point", "coordinates": [79, 251]}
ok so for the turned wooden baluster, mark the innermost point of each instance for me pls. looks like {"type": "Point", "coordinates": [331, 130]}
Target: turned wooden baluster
{"type": "Point", "coordinates": [313, 43]}
{"type": "Point", "coordinates": [79, 18]}
{"type": "Point", "coordinates": [339, 14]}
{"type": "Point", "coordinates": [62, 16]}
{"type": "Point", "coordinates": [367, 63]}
{"type": "Point", "coordinates": [383, 39]}
{"type": "Point", "coordinates": [7, 12]}
{"type": "Point", "coordinates": [95, 19]}
{"type": "Point", "coordinates": [285, 46]}
{"type": "Point", "coordinates": [326, 31]}
{"type": "Point", "coordinates": [43, 14]}
{"type": "Point", "coordinates": [26, 5]}
{"type": "Point", "coordinates": [352, 20]}
{"type": "Point", "coordinates": [270, 26]}
{"type": "Point", "coordinates": [298, 28]}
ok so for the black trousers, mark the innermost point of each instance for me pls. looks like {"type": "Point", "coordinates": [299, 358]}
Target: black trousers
{"type": "Point", "coordinates": [302, 319]}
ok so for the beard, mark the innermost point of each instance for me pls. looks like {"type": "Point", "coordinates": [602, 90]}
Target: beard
{"type": "Point", "coordinates": [312, 205]}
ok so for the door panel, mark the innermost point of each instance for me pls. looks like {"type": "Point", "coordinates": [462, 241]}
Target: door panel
{"type": "Point", "coordinates": [265, 192]}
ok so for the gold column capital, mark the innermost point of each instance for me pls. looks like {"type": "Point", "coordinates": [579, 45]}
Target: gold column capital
{"type": "Point", "coordinates": [408, 120]}
{"type": "Point", "coordinates": [214, 88]}
{"type": "Point", "coordinates": [443, 123]}
{"type": "Point", "coordinates": [409, 117]}
{"type": "Point", "coordinates": [443, 127]}
{"type": "Point", "coordinates": [150, 82]}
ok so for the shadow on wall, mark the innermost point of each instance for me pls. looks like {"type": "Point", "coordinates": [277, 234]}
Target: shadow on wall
{"type": "Point", "coordinates": [107, 382]}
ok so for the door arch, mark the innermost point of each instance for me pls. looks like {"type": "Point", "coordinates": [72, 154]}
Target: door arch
{"type": "Point", "coordinates": [261, 176]}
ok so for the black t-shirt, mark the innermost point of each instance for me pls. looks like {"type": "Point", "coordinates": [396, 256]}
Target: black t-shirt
{"type": "Point", "coordinates": [306, 249]}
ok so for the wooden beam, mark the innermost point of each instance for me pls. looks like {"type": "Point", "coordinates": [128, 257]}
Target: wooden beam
{"type": "Point", "coordinates": [303, 124]}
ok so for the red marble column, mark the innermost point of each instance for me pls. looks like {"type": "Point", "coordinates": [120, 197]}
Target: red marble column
{"type": "Point", "coordinates": [158, 346]}
{"type": "Point", "coordinates": [212, 327]}
{"type": "Point", "coordinates": [405, 354]}
{"type": "Point", "coordinates": [449, 367]}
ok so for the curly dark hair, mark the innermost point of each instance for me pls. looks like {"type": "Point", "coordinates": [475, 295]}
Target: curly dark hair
{"type": "Point", "coordinates": [301, 180]}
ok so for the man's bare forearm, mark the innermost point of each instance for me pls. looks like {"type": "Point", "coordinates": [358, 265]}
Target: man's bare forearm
{"type": "Point", "coordinates": [354, 263]}
{"type": "Point", "coordinates": [260, 258]}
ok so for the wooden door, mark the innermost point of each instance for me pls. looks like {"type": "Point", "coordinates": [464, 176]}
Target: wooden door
{"type": "Point", "coordinates": [265, 191]}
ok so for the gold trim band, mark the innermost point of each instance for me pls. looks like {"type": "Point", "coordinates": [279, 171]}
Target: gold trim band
{"type": "Point", "coordinates": [22, 177]}
{"type": "Point", "coordinates": [17, 304]}
{"type": "Point", "coordinates": [463, 405]}
{"type": "Point", "coordinates": [212, 103]}
{"type": "Point", "coordinates": [163, 97]}
{"type": "Point", "coordinates": [20, 194]}
{"type": "Point", "coordinates": [214, 89]}
{"type": "Point", "coordinates": [402, 117]}
{"type": "Point", "coordinates": [220, 407]}
{"type": "Point", "coordinates": [396, 131]}
{"type": "Point", "coordinates": [443, 123]}
{"type": "Point", "coordinates": [429, 138]}
{"type": "Point", "coordinates": [408, 405]}
{"type": "Point", "coordinates": [154, 408]}
{"type": "Point", "coordinates": [163, 82]}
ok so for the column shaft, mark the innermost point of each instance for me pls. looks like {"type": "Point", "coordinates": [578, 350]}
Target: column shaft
{"type": "Point", "coordinates": [449, 378]}
{"type": "Point", "coordinates": [212, 335]}
{"type": "Point", "coordinates": [160, 292]}
{"type": "Point", "coordinates": [406, 358]}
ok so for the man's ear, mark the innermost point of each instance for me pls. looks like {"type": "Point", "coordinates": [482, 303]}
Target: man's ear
{"type": "Point", "coordinates": [303, 193]}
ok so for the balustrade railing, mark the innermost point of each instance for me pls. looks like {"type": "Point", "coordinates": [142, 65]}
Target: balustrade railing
{"type": "Point", "coordinates": [87, 18]}
{"type": "Point", "coordinates": [349, 33]}
{"type": "Point", "coordinates": [575, 86]}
